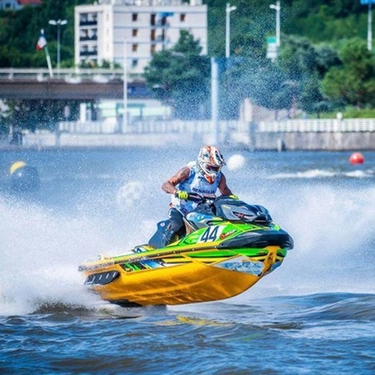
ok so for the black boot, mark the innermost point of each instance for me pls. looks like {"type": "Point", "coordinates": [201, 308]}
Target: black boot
{"type": "Point", "coordinates": [169, 236]}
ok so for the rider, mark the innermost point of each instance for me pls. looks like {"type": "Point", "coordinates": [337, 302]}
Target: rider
{"type": "Point", "coordinates": [203, 176]}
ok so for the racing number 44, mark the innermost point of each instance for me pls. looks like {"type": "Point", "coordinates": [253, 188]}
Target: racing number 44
{"type": "Point", "coordinates": [210, 234]}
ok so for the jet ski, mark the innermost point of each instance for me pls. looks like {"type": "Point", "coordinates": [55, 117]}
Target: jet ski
{"type": "Point", "coordinates": [227, 247]}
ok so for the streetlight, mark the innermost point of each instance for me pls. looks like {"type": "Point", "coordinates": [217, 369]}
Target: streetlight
{"type": "Point", "coordinates": [58, 23]}
{"type": "Point", "coordinates": [277, 7]}
{"type": "Point", "coordinates": [125, 115]}
{"type": "Point", "coordinates": [227, 29]}
{"type": "Point", "coordinates": [369, 22]}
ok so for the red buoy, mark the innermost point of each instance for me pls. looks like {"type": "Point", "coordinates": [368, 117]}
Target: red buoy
{"type": "Point", "coordinates": [356, 158]}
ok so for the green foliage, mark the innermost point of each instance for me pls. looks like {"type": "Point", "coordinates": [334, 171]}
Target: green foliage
{"type": "Point", "coordinates": [354, 80]}
{"type": "Point", "coordinates": [37, 114]}
{"type": "Point", "coordinates": [20, 30]}
{"type": "Point", "coordinates": [179, 77]}
{"type": "Point", "coordinates": [351, 112]}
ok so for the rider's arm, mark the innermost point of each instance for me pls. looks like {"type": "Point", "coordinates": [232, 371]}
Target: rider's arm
{"type": "Point", "coordinates": [169, 186]}
{"type": "Point", "coordinates": [223, 187]}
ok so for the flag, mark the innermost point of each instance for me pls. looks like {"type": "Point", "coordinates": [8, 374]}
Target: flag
{"type": "Point", "coordinates": [42, 42]}
{"type": "Point", "coordinates": [169, 14]}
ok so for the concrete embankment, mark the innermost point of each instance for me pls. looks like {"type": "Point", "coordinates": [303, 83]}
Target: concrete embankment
{"type": "Point", "coordinates": [308, 135]}
{"type": "Point", "coordinates": [315, 141]}
{"type": "Point", "coordinates": [291, 141]}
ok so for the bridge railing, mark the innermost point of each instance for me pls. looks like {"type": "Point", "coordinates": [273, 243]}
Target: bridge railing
{"type": "Point", "coordinates": [69, 74]}
{"type": "Point", "coordinates": [179, 126]}
{"type": "Point", "coordinates": [150, 127]}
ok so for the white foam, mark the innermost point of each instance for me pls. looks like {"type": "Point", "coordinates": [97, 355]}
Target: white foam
{"type": "Point", "coordinates": [322, 173]}
{"type": "Point", "coordinates": [40, 254]}
{"type": "Point", "coordinates": [333, 231]}
{"type": "Point", "coordinates": [129, 193]}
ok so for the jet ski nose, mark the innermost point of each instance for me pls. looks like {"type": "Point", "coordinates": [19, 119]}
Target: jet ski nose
{"type": "Point", "coordinates": [260, 240]}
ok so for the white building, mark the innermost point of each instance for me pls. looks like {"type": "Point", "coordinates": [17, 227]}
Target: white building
{"type": "Point", "coordinates": [103, 29]}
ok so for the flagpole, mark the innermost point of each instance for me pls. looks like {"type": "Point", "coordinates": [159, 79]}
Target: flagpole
{"type": "Point", "coordinates": [125, 117]}
{"type": "Point", "coordinates": [42, 44]}
{"type": "Point", "coordinates": [48, 62]}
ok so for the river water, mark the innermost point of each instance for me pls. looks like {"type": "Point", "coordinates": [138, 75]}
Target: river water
{"type": "Point", "coordinates": [313, 315]}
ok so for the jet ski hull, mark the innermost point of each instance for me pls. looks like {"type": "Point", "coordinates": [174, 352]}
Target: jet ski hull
{"type": "Point", "coordinates": [175, 277]}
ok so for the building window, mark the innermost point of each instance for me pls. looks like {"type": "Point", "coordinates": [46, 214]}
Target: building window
{"type": "Point", "coordinates": [84, 50]}
{"type": "Point", "coordinates": [182, 17]}
{"type": "Point", "coordinates": [134, 63]}
{"type": "Point", "coordinates": [135, 32]}
{"type": "Point", "coordinates": [153, 19]}
{"type": "Point", "coordinates": [135, 47]}
{"type": "Point", "coordinates": [86, 19]}
{"type": "Point", "coordinates": [153, 34]}
{"type": "Point", "coordinates": [135, 17]}
{"type": "Point", "coordinates": [84, 34]}
{"type": "Point", "coordinates": [153, 49]}
{"type": "Point", "coordinates": [83, 17]}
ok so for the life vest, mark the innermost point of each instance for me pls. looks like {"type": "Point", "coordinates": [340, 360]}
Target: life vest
{"type": "Point", "coordinates": [195, 183]}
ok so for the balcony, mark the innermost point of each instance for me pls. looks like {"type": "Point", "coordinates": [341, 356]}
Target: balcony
{"type": "Point", "coordinates": [88, 38]}
{"type": "Point", "coordinates": [88, 53]}
{"type": "Point", "coordinates": [88, 22]}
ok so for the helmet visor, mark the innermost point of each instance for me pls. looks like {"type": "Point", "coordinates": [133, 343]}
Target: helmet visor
{"type": "Point", "coordinates": [213, 168]}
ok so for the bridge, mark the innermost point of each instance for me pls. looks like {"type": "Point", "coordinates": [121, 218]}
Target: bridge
{"type": "Point", "coordinates": [70, 84]}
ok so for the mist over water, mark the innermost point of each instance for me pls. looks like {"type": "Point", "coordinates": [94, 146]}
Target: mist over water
{"type": "Point", "coordinates": [40, 254]}
{"type": "Point", "coordinates": [106, 203]}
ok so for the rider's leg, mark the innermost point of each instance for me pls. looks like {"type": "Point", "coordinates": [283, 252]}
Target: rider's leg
{"type": "Point", "coordinates": [176, 224]}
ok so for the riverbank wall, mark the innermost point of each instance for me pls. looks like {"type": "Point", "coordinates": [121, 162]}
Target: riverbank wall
{"type": "Point", "coordinates": [293, 135]}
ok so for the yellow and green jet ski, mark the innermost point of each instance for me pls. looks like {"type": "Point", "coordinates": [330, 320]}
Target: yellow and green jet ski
{"type": "Point", "coordinates": [228, 246]}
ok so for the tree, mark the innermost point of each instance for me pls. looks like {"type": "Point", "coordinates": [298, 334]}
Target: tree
{"type": "Point", "coordinates": [354, 80]}
{"type": "Point", "coordinates": [179, 77]}
{"type": "Point", "coordinates": [35, 114]}
{"type": "Point", "coordinates": [19, 31]}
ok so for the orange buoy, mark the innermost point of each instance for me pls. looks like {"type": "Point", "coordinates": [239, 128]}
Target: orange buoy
{"type": "Point", "coordinates": [356, 158]}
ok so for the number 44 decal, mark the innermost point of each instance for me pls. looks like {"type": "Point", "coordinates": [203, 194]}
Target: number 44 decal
{"type": "Point", "coordinates": [211, 234]}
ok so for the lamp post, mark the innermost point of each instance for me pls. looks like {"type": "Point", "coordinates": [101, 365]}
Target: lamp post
{"type": "Point", "coordinates": [125, 116]}
{"type": "Point", "coordinates": [369, 22]}
{"type": "Point", "coordinates": [58, 23]}
{"type": "Point", "coordinates": [277, 7]}
{"type": "Point", "coordinates": [228, 9]}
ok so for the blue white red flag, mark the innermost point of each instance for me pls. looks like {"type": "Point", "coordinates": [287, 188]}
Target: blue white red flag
{"type": "Point", "coordinates": [42, 42]}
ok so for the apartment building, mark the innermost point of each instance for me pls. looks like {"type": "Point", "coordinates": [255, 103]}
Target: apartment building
{"type": "Point", "coordinates": [133, 30]}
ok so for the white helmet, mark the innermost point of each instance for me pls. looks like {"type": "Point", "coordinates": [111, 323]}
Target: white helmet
{"type": "Point", "coordinates": [210, 162]}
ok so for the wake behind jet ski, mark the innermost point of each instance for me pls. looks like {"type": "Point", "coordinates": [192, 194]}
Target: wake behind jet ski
{"type": "Point", "coordinates": [227, 247]}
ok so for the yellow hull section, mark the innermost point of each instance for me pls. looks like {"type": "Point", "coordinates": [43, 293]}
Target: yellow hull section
{"type": "Point", "coordinates": [187, 282]}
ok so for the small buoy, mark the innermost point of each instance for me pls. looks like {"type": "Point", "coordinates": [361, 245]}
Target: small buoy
{"type": "Point", "coordinates": [235, 162]}
{"type": "Point", "coordinates": [16, 165]}
{"type": "Point", "coordinates": [356, 158]}
{"type": "Point", "coordinates": [23, 177]}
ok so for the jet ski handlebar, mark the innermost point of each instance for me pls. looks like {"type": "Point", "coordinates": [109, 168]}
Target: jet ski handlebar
{"type": "Point", "coordinates": [199, 198]}
{"type": "Point", "coordinates": [203, 198]}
